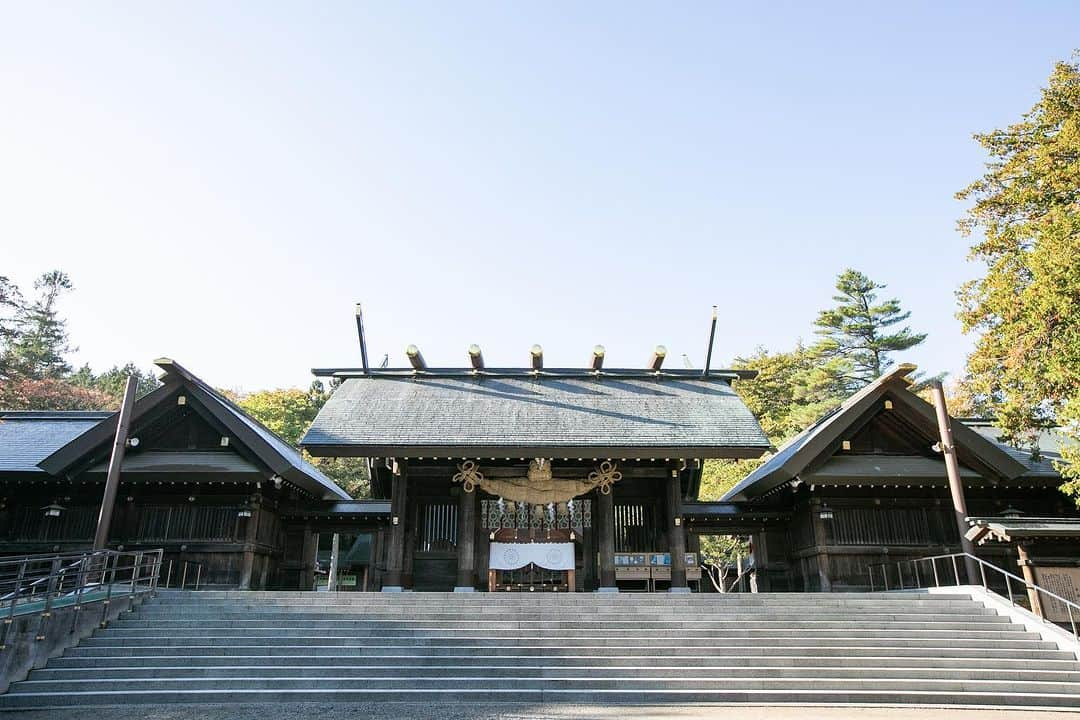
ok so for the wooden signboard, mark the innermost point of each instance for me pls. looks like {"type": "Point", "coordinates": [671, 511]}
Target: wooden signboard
{"type": "Point", "coordinates": [1063, 581]}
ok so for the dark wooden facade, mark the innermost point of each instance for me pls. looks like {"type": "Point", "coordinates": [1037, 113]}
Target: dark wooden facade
{"type": "Point", "coordinates": [867, 486]}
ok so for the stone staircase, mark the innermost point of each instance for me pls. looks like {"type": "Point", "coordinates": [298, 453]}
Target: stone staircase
{"type": "Point", "coordinates": [227, 647]}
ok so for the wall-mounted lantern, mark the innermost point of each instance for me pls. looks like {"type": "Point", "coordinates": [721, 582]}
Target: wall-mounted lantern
{"type": "Point", "coordinates": [53, 510]}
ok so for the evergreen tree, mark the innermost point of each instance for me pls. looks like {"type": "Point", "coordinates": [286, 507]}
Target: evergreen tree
{"type": "Point", "coordinates": [1026, 209]}
{"type": "Point", "coordinates": [858, 335]}
{"type": "Point", "coordinates": [37, 346]}
{"type": "Point", "coordinates": [10, 305]}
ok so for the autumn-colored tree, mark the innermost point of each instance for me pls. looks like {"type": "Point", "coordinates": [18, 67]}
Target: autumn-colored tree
{"type": "Point", "coordinates": [52, 394]}
{"type": "Point", "coordinates": [1025, 218]}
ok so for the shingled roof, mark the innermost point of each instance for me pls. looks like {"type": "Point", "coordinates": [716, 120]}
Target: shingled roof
{"type": "Point", "coordinates": [822, 440]}
{"type": "Point", "coordinates": [27, 438]}
{"type": "Point", "coordinates": [86, 451]}
{"type": "Point", "coordinates": [551, 414]}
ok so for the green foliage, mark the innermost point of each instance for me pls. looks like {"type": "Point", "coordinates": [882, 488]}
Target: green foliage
{"type": "Point", "coordinates": [34, 346]}
{"type": "Point", "coordinates": [289, 413]}
{"type": "Point", "coordinates": [791, 391]}
{"type": "Point", "coordinates": [858, 331]}
{"type": "Point", "coordinates": [1025, 212]}
{"type": "Point", "coordinates": [113, 381]}
{"type": "Point", "coordinates": [35, 336]}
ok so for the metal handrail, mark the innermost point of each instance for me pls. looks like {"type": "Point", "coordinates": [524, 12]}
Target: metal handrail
{"type": "Point", "coordinates": [1072, 608]}
{"type": "Point", "coordinates": [184, 575]}
{"type": "Point", "coordinates": [36, 583]}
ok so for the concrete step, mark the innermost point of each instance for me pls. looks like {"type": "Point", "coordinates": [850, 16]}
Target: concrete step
{"type": "Point", "coordinates": [640, 696]}
{"type": "Point", "coordinates": [560, 650]}
{"type": "Point", "coordinates": [127, 624]}
{"type": "Point", "coordinates": [720, 670]}
{"type": "Point", "coordinates": [526, 683]}
{"type": "Point", "coordinates": [899, 648]}
{"type": "Point", "coordinates": [800, 659]}
{"type": "Point", "coordinates": [154, 636]}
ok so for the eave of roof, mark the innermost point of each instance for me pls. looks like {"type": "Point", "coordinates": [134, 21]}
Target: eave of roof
{"type": "Point", "coordinates": [280, 457]}
{"type": "Point", "coordinates": [1009, 529]}
{"type": "Point", "coordinates": [798, 453]}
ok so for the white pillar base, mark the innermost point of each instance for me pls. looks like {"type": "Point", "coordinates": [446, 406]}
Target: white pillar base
{"type": "Point", "coordinates": [607, 590]}
{"type": "Point", "coordinates": [393, 588]}
{"type": "Point", "coordinates": [679, 590]}
{"type": "Point", "coordinates": [464, 589]}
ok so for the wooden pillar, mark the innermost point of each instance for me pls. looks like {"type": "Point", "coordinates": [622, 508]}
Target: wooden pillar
{"type": "Point", "coordinates": [395, 552]}
{"type": "Point", "coordinates": [952, 469]}
{"type": "Point", "coordinates": [606, 507]}
{"type": "Point", "coordinates": [311, 552]}
{"type": "Point", "coordinates": [112, 478]}
{"type": "Point", "coordinates": [821, 541]}
{"type": "Point", "coordinates": [331, 578]}
{"type": "Point", "coordinates": [1029, 578]}
{"type": "Point", "coordinates": [588, 553]}
{"type": "Point", "coordinates": [676, 534]}
{"type": "Point", "coordinates": [247, 562]}
{"type": "Point", "coordinates": [466, 542]}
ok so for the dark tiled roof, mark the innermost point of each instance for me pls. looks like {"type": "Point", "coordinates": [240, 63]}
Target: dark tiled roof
{"type": "Point", "coordinates": [386, 415]}
{"type": "Point", "coordinates": [798, 453]}
{"type": "Point", "coordinates": [26, 438]}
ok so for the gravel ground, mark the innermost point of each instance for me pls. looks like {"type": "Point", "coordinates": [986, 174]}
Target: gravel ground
{"type": "Point", "coordinates": [412, 711]}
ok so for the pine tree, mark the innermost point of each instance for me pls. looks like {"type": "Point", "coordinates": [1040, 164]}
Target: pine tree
{"type": "Point", "coordinates": [857, 335]}
{"type": "Point", "coordinates": [37, 347]}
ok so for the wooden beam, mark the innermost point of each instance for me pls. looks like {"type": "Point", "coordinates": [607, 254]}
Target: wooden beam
{"type": "Point", "coordinates": [476, 357]}
{"type": "Point", "coordinates": [952, 469]}
{"type": "Point", "coordinates": [596, 362]}
{"type": "Point", "coordinates": [657, 359]}
{"type": "Point", "coordinates": [536, 354]}
{"type": "Point", "coordinates": [112, 480]}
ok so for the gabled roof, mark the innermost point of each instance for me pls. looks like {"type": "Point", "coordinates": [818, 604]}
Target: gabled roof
{"type": "Point", "coordinates": [823, 438]}
{"type": "Point", "coordinates": [549, 414]}
{"type": "Point", "coordinates": [26, 438]}
{"type": "Point", "coordinates": [1048, 442]}
{"type": "Point", "coordinates": [1009, 529]}
{"type": "Point", "coordinates": [258, 442]}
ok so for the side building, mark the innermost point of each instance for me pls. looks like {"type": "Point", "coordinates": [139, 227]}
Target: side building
{"type": "Point", "coordinates": [224, 496]}
{"type": "Point", "coordinates": [866, 486]}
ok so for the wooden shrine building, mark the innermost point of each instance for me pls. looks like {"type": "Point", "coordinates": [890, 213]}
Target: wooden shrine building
{"type": "Point", "coordinates": [867, 485]}
{"type": "Point", "coordinates": [225, 497]}
{"type": "Point", "coordinates": [536, 478]}
{"type": "Point", "coordinates": [529, 479]}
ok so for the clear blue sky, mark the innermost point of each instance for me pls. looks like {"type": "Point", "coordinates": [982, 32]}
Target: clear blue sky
{"type": "Point", "coordinates": [223, 180]}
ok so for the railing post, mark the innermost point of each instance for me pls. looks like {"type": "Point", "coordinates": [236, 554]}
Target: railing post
{"type": "Point", "coordinates": [1008, 586]}
{"type": "Point", "coordinates": [183, 576]}
{"type": "Point", "coordinates": [135, 568]}
{"type": "Point", "coordinates": [955, 569]}
{"type": "Point", "coordinates": [1072, 622]}
{"type": "Point", "coordinates": [108, 588]}
{"type": "Point", "coordinates": [982, 573]}
{"type": "Point", "coordinates": [885, 575]}
{"type": "Point", "coordinates": [918, 578]}
{"type": "Point", "coordinates": [77, 607]}
{"type": "Point", "coordinates": [54, 573]}
{"type": "Point", "coordinates": [168, 574]}
{"type": "Point", "coordinates": [937, 580]}
{"type": "Point", "coordinates": [198, 575]}
{"type": "Point", "coordinates": [870, 572]}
